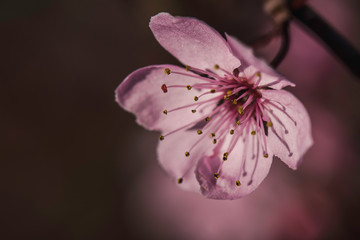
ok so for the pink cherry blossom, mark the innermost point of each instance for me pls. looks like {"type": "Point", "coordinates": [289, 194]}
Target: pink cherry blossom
{"type": "Point", "coordinates": [223, 117]}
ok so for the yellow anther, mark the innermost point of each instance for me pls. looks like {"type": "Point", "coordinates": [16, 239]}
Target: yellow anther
{"type": "Point", "coordinates": [161, 137]}
{"type": "Point", "coordinates": [225, 156]}
{"type": "Point", "coordinates": [216, 175]}
{"type": "Point", "coordinates": [196, 98]}
{"type": "Point", "coordinates": [207, 119]}
{"type": "Point", "coordinates": [226, 97]}
{"type": "Point", "coordinates": [253, 132]}
{"type": "Point", "coordinates": [232, 131]}
{"type": "Point", "coordinates": [187, 68]}
{"type": "Point", "coordinates": [229, 92]}
{"type": "Point", "coordinates": [187, 154]}
{"type": "Point", "coordinates": [216, 66]}
{"type": "Point", "coordinates": [269, 124]}
{"type": "Point", "coordinates": [212, 135]}
{"type": "Point", "coordinates": [266, 155]}
{"type": "Point", "coordinates": [214, 141]}
{"type": "Point", "coordinates": [212, 90]}
{"type": "Point", "coordinates": [238, 122]}
{"type": "Point", "coordinates": [240, 110]}
{"type": "Point", "coordinates": [193, 111]}
{"type": "Point", "coordinates": [199, 132]}
{"type": "Point", "coordinates": [258, 74]}
{"type": "Point", "coordinates": [165, 112]}
{"type": "Point", "coordinates": [238, 183]}
{"type": "Point", "coordinates": [234, 101]}
{"type": "Point", "coordinates": [188, 87]}
{"type": "Point", "coordinates": [167, 71]}
{"type": "Point", "coordinates": [180, 180]}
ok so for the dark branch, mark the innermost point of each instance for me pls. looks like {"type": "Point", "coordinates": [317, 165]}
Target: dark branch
{"type": "Point", "coordinates": [284, 47]}
{"type": "Point", "coordinates": [334, 41]}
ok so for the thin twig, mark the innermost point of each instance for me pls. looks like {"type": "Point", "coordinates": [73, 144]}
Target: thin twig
{"type": "Point", "coordinates": [339, 46]}
{"type": "Point", "coordinates": [284, 47]}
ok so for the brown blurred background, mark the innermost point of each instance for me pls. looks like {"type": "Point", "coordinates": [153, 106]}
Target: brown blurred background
{"type": "Point", "coordinates": [74, 165]}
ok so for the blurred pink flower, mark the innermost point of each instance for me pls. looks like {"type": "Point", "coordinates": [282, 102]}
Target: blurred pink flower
{"type": "Point", "coordinates": [223, 117]}
{"type": "Point", "coordinates": [279, 209]}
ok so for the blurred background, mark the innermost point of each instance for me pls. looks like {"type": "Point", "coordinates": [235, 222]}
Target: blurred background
{"type": "Point", "coordinates": [74, 165]}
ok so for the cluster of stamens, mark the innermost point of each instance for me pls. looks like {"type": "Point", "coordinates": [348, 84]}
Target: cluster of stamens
{"type": "Point", "coordinates": [240, 111]}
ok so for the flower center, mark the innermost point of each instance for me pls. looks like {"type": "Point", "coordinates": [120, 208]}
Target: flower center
{"type": "Point", "coordinates": [240, 111]}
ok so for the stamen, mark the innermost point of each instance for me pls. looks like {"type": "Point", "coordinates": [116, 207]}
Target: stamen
{"type": "Point", "coordinates": [196, 104]}
{"type": "Point", "coordinates": [232, 131]}
{"type": "Point", "coordinates": [266, 155]}
{"type": "Point", "coordinates": [199, 132]}
{"type": "Point", "coordinates": [262, 126]}
{"type": "Point", "coordinates": [167, 71]}
{"type": "Point", "coordinates": [255, 166]}
{"type": "Point", "coordinates": [283, 111]}
{"type": "Point", "coordinates": [188, 87]}
{"type": "Point", "coordinates": [181, 128]}
{"type": "Point", "coordinates": [269, 124]}
{"type": "Point", "coordinates": [196, 98]}
{"type": "Point", "coordinates": [257, 74]}
{"type": "Point", "coordinates": [216, 175]}
{"type": "Point", "coordinates": [243, 159]}
{"type": "Point", "coordinates": [187, 68]}
{"type": "Point", "coordinates": [164, 88]}
{"type": "Point", "coordinates": [283, 142]}
{"type": "Point", "coordinates": [253, 132]}
{"type": "Point", "coordinates": [238, 183]}
{"type": "Point", "coordinates": [279, 121]}
{"type": "Point", "coordinates": [238, 123]}
{"type": "Point", "coordinates": [234, 101]}
{"type": "Point", "coordinates": [212, 90]}
{"type": "Point", "coordinates": [214, 141]}
{"type": "Point", "coordinates": [225, 156]}
{"type": "Point", "coordinates": [231, 146]}
{"type": "Point", "coordinates": [216, 66]}
{"type": "Point", "coordinates": [207, 119]}
{"type": "Point", "coordinates": [240, 110]}
{"type": "Point", "coordinates": [248, 101]}
{"type": "Point", "coordinates": [165, 112]}
{"type": "Point", "coordinates": [243, 95]}
{"type": "Point", "coordinates": [248, 115]}
{"type": "Point", "coordinates": [180, 180]}
{"type": "Point", "coordinates": [212, 135]}
{"type": "Point", "coordinates": [187, 154]}
{"type": "Point", "coordinates": [205, 93]}
{"type": "Point", "coordinates": [161, 137]}
{"type": "Point", "coordinates": [175, 86]}
{"type": "Point", "coordinates": [238, 89]}
{"type": "Point", "coordinates": [228, 73]}
{"type": "Point", "coordinates": [193, 111]}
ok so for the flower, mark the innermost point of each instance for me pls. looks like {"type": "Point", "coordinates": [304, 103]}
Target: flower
{"type": "Point", "coordinates": [223, 117]}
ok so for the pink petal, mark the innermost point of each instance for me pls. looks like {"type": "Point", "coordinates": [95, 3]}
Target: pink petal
{"type": "Point", "coordinates": [291, 141]}
{"type": "Point", "coordinates": [193, 42]}
{"type": "Point", "coordinates": [141, 94]}
{"type": "Point", "coordinates": [248, 60]}
{"type": "Point", "coordinates": [256, 168]}
{"type": "Point", "coordinates": [171, 155]}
